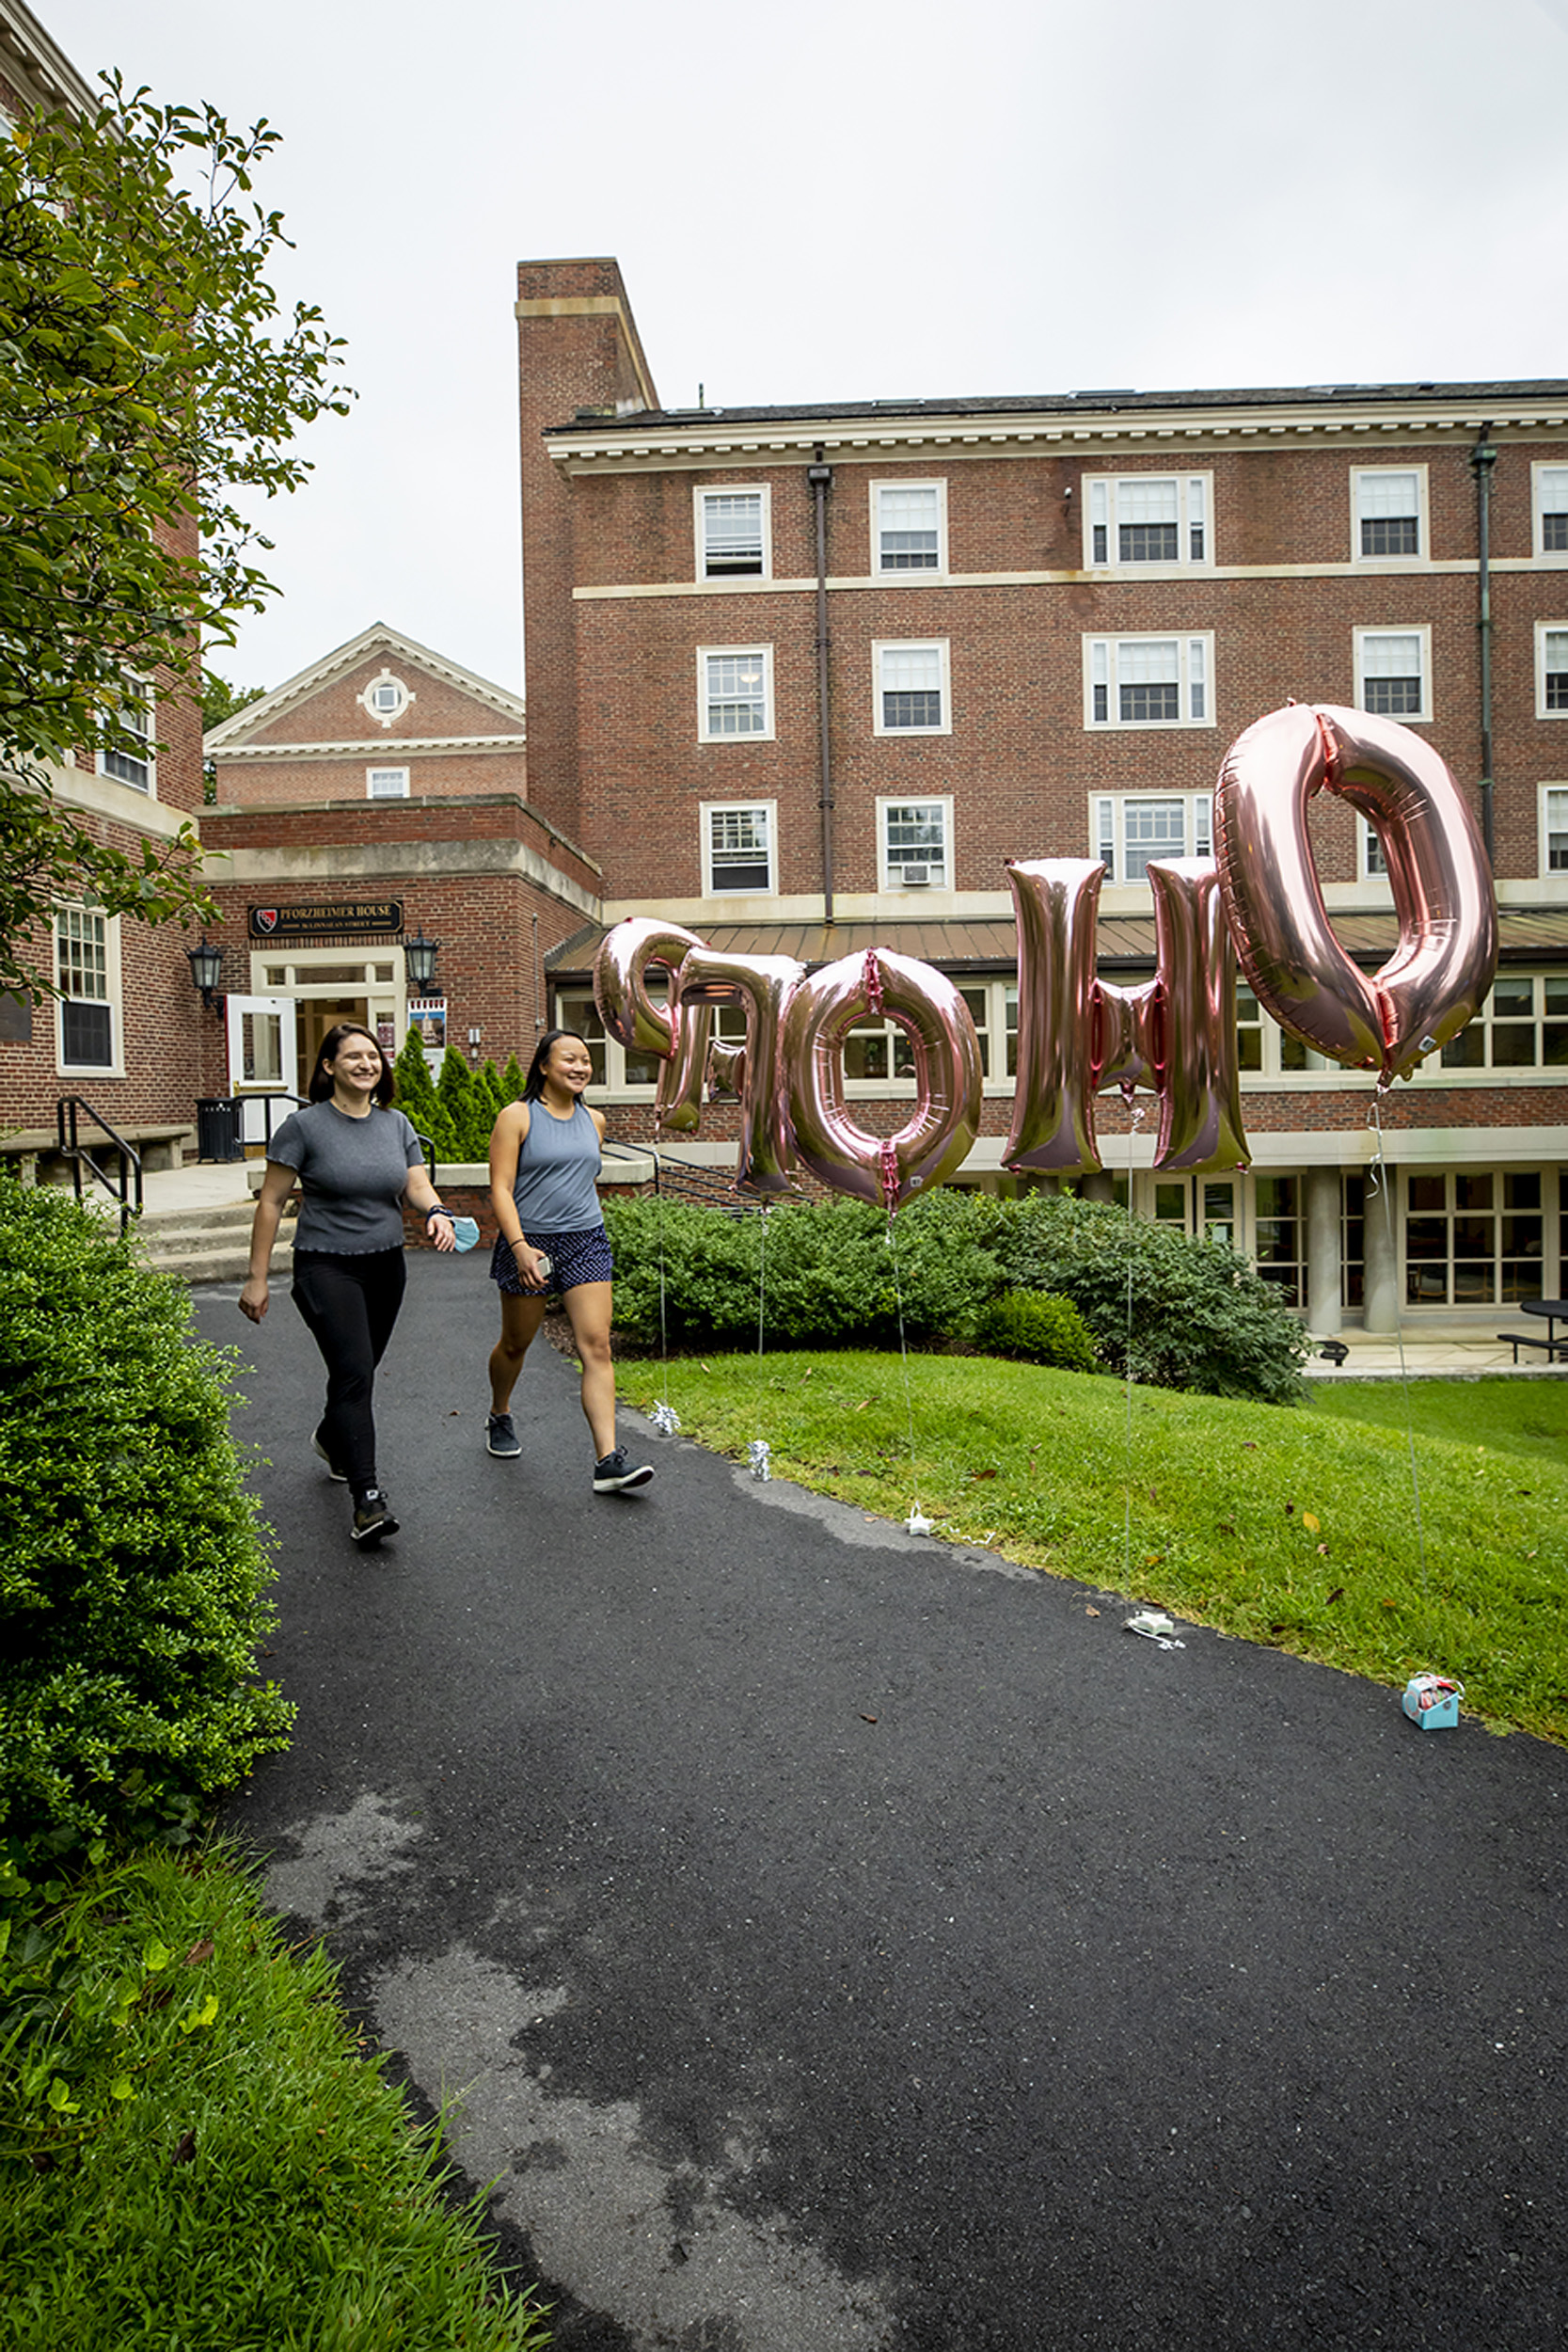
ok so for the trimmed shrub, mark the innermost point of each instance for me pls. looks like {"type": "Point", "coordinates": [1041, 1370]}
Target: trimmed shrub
{"type": "Point", "coordinates": [828, 1276]}
{"type": "Point", "coordinates": [131, 1566]}
{"type": "Point", "coordinates": [417, 1099]}
{"type": "Point", "coordinates": [1174, 1311]}
{"type": "Point", "coordinates": [1037, 1329]}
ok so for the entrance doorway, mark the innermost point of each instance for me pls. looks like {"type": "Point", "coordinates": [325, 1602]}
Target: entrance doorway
{"type": "Point", "coordinates": [317, 1014]}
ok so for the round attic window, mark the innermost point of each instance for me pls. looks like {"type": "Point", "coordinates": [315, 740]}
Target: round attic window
{"type": "Point", "coordinates": [386, 697]}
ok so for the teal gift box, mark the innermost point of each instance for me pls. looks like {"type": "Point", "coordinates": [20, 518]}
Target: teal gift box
{"type": "Point", "coordinates": [1432, 1701]}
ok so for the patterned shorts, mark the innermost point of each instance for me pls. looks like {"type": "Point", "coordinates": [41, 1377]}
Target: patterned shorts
{"type": "Point", "coordinates": [575, 1258]}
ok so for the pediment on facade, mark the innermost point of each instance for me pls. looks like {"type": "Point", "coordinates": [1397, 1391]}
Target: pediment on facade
{"type": "Point", "coordinates": [333, 704]}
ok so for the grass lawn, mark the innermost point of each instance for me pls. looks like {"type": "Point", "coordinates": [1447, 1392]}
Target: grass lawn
{"type": "Point", "coordinates": [195, 2153]}
{"type": "Point", "coordinates": [1308, 1529]}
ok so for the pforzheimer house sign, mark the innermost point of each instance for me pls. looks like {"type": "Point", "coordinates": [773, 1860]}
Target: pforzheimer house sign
{"type": "Point", "coordinates": [324, 919]}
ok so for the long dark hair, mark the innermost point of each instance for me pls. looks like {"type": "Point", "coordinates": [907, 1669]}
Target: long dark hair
{"type": "Point", "coordinates": [320, 1087]}
{"type": "Point", "coordinates": [534, 1085]}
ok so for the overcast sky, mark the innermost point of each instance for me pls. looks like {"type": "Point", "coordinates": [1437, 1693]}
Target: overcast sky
{"type": "Point", "coordinates": [850, 199]}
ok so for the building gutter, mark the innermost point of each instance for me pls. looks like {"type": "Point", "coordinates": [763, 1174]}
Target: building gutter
{"type": "Point", "coordinates": [1483, 458]}
{"type": "Point", "coordinates": [820, 477]}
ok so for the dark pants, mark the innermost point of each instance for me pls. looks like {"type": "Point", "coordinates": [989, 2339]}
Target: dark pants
{"type": "Point", "coordinates": [350, 1305]}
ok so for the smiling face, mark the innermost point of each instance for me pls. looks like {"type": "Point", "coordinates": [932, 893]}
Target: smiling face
{"type": "Point", "coordinates": [570, 1066]}
{"type": "Point", "coordinates": [357, 1066]}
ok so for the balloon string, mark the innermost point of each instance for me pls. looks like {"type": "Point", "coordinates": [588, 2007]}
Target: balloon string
{"type": "Point", "coordinates": [1381, 1184]}
{"type": "Point", "coordinates": [904, 1353]}
{"type": "Point", "coordinates": [1136, 1111]}
{"type": "Point", "coordinates": [890, 1176]}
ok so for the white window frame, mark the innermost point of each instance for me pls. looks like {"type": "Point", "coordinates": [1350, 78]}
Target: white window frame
{"type": "Point", "coordinates": [113, 993]}
{"type": "Point", "coordinates": [1550, 793]}
{"type": "Point", "coordinates": [927, 571]}
{"type": "Point", "coordinates": [1105, 494]}
{"type": "Point", "coordinates": [404, 698]}
{"type": "Point", "coordinates": [890, 876]}
{"type": "Point", "coordinates": [880, 648]}
{"type": "Point", "coordinates": [700, 497]}
{"type": "Point", "coordinates": [1363, 476]}
{"type": "Point", "coordinates": [769, 812]}
{"type": "Point", "coordinates": [737, 653]}
{"type": "Point", "coordinates": [1108, 830]}
{"type": "Point", "coordinates": [1543, 630]}
{"type": "Point", "coordinates": [1422, 633]}
{"type": "Point", "coordinates": [1546, 500]}
{"type": "Point", "coordinates": [1371, 864]}
{"type": "Point", "coordinates": [379, 787]}
{"type": "Point", "coordinates": [1187, 679]}
{"type": "Point", "coordinates": [142, 721]}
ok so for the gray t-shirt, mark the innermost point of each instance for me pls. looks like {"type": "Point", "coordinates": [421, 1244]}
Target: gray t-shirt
{"type": "Point", "coordinates": [353, 1173]}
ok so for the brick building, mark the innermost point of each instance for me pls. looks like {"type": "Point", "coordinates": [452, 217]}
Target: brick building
{"type": "Point", "coordinates": [380, 797]}
{"type": "Point", "coordinates": [109, 1038]}
{"type": "Point", "coordinates": [801, 678]}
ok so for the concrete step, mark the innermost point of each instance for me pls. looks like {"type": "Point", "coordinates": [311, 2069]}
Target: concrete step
{"type": "Point", "coordinates": [235, 1216]}
{"type": "Point", "coordinates": [208, 1244]}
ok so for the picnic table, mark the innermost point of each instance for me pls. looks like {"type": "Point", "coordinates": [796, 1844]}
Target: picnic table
{"type": "Point", "coordinates": [1553, 1312]}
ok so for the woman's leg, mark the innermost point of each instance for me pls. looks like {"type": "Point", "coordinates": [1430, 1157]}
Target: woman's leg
{"type": "Point", "coordinates": [588, 1306]}
{"type": "Point", "coordinates": [520, 1320]}
{"type": "Point", "coordinates": [350, 1311]}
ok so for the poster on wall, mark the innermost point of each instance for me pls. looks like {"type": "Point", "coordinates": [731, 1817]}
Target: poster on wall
{"type": "Point", "coordinates": [387, 1037]}
{"type": "Point", "coordinates": [427, 1015]}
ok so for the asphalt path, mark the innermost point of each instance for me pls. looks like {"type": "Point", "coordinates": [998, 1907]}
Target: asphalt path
{"type": "Point", "coordinates": [843, 1941]}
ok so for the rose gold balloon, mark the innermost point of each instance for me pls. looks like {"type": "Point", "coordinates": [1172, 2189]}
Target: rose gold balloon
{"type": "Point", "coordinates": [1439, 975]}
{"type": "Point", "coordinates": [620, 987]}
{"type": "Point", "coordinates": [947, 1076]}
{"type": "Point", "coordinates": [763, 984]}
{"type": "Point", "coordinates": [1078, 1035]}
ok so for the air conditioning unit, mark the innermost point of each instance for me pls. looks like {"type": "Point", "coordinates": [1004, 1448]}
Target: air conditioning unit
{"type": "Point", "coordinates": [917, 877]}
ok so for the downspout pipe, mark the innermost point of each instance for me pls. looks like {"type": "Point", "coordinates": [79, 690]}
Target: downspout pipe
{"type": "Point", "coordinates": [820, 476]}
{"type": "Point", "coordinates": [1483, 458]}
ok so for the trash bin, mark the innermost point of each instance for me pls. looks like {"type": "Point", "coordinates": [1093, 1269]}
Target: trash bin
{"type": "Point", "coordinates": [217, 1128]}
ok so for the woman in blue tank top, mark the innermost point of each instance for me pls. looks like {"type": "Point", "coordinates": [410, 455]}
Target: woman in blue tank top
{"type": "Point", "coordinates": [551, 1241]}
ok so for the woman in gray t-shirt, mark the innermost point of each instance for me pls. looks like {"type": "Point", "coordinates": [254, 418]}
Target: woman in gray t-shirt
{"type": "Point", "coordinates": [356, 1161]}
{"type": "Point", "coordinates": [550, 1240]}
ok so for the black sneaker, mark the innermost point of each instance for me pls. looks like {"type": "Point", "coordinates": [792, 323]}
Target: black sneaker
{"type": "Point", "coordinates": [500, 1438]}
{"type": "Point", "coordinates": [318, 1446]}
{"type": "Point", "coordinates": [615, 1476]}
{"type": "Point", "coordinates": [372, 1519]}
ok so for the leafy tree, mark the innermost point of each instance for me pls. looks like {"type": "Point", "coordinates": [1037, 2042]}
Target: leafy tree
{"type": "Point", "coordinates": [220, 701]}
{"type": "Point", "coordinates": [147, 378]}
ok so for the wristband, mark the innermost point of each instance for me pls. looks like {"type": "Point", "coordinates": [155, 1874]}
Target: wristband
{"type": "Point", "coordinates": [522, 1241]}
{"type": "Point", "coordinates": [440, 1210]}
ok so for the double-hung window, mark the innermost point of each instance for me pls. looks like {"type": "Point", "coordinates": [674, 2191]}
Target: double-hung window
{"type": "Point", "coordinates": [735, 691]}
{"type": "Point", "coordinates": [386, 784]}
{"type": "Point", "coordinates": [84, 974]}
{"type": "Point", "coordinates": [1147, 681]}
{"type": "Point", "coordinates": [1393, 672]}
{"type": "Point", "coordinates": [915, 841]}
{"type": "Point", "coordinates": [1554, 829]}
{"type": "Point", "coordinates": [1389, 512]}
{"type": "Point", "coordinates": [1549, 484]}
{"type": "Point", "coordinates": [908, 526]}
{"type": "Point", "coordinates": [738, 847]}
{"type": "Point", "coordinates": [734, 531]}
{"type": "Point", "coordinates": [1132, 827]}
{"type": "Point", "coordinates": [1141, 518]}
{"type": "Point", "coordinates": [133, 762]}
{"type": "Point", "coordinates": [1551, 670]}
{"type": "Point", "coordinates": [911, 689]}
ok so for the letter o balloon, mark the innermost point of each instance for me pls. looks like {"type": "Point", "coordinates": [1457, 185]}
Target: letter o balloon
{"type": "Point", "coordinates": [1438, 976]}
{"type": "Point", "coordinates": [947, 1076]}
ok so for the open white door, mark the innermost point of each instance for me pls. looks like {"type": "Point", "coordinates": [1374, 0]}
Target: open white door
{"type": "Point", "coordinates": [262, 1060]}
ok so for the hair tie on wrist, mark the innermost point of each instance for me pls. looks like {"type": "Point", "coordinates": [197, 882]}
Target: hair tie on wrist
{"type": "Point", "coordinates": [440, 1210]}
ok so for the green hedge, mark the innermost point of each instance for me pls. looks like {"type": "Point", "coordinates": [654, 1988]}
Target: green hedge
{"type": "Point", "coordinates": [1037, 1329]}
{"type": "Point", "coordinates": [132, 1568]}
{"type": "Point", "coordinates": [1201, 1317]}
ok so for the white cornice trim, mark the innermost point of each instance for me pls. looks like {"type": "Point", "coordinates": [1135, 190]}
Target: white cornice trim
{"type": "Point", "coordinates": [377, 638]}
{"type": "Point", "coordinates": [380, 754]}
{"type": "Point", "coordinates": [103, 796]}
{"type": "Point", "coordinates": [404, 861]}
{"type": "Point", "coordinates": [601, 449]}
{"type": "Point", "coordinates": [1153, 575]}
{"type": "Point", "coordinates": [35, 63]}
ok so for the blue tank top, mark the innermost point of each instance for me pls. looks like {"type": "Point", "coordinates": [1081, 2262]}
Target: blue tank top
{"type": "Point", "coordinates": [555, 1190]}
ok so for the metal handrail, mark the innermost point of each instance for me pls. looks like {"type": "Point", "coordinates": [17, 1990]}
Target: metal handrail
{"type": "Point", "coordinates": [72, 1148]}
